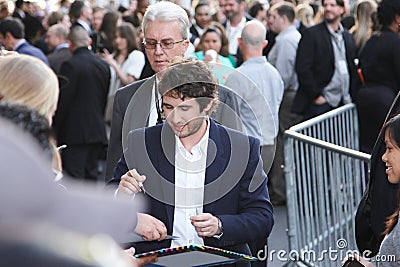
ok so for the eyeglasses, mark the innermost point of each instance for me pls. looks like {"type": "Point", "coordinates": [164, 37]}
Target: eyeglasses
{"type": "Point", "coordinates": [164, 44]}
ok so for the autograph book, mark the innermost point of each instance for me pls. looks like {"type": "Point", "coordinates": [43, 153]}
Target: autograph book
{"type": "Point", "coordinates": [195, 255]}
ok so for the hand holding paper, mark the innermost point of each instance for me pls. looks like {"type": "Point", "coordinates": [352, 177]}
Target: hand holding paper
{"type": "Point", "coordinates": [206, 224]}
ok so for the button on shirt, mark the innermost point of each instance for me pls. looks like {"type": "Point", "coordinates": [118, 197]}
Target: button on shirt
{"type": "Point", "coordinates": [190, 172]}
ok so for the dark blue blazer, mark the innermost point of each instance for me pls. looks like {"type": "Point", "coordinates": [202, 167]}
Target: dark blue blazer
{"type": "Point", "coordinates": [28, 49]}
{"type": "Point", "coordinates": [235, 184]}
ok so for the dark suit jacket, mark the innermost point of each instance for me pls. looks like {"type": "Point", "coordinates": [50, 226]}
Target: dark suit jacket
{"type": "Point", "coordinates": [15, 14]}
{"type": "Point", "coordinates": [194, 34]}
{"type": "Point", "coordinates": [380, 63]}
{"type": "Point", "coordinates": [79, 118]}
{"type": "Point", "coordinates": [28, 49]}
{"type": "Point", "coordinates": [77, 24]}
{"type": "Point", "coordinates": [58, 57]}
{"type": "Point", "coordinates": [315, 65]}
{"type": "Point", "coordinates": [140, 105]}
{"type": "Point", "coordinates": [235, 183]}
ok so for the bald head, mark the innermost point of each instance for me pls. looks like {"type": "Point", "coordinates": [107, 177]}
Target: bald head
{"type": "Point", "coordinates": [252, 41]}
{"type": "Point", "coordinates": [78, 37]}
{"type": "Point", "coordinates": [253, 34]}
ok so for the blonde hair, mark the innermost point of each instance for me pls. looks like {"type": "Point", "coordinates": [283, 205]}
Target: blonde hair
{"type": "Point", "coordinates": [362, 29]}
{"type": "Point", "coordinates": [305, 14]}
{"type": "Point", "coordinates": [28, 81]}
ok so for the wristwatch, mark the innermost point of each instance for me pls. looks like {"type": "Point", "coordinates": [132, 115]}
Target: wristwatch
{"type": "Point", "coordinates": [220, 228]}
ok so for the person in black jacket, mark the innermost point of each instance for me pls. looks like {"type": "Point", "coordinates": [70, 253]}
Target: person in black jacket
{"type": "Point", "coordinates": [79, 120]}
{"type": "Point", "coordinates": [202, 17]}
{"type": "Point", "coordinates": [380, 66]}
{"type": "Point", "coordinates": [325, 64]}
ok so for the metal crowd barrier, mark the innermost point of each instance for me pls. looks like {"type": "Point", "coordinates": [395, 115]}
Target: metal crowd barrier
{"type": "Point", "coordinates": [325, 178]}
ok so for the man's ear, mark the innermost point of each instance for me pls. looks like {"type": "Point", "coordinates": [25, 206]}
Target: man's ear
{"type": "Point", "coordinates": [71, 46]}
{"type": "Point", "coordinates": [9, 35]}
{"type": "Point", "coordinates": [265, 43]}
{"type": "Point", "coordinates": [209, 106]}
{"type": "Point", "coordinates": [185, 45]}
{"type": "Point", "coordinates": [343, 14]}
{"type": "Point", "coordinates": [243, 5]}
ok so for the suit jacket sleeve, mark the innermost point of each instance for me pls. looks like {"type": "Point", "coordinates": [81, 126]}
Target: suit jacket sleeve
{"type": "Point", "coordinates": [119, 170]}
{"type": "Point", "coordinates": [255, 209]}
{"type": "Point", "coordinates": [304, 65]}
{"type": "Point", "coordinates": [114, 151]}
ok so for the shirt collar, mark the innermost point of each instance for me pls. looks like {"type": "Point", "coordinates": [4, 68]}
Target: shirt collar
{"type": "Point", "coordinates": [289, 29]}
{"type": "Point", "coordinates": [240, 25]}
{"type": "Point", "coordinates": [199, 30]}
{"type": "Point", "coordinates": [330, 29]}
{"type": "Point", "coordinates": [200, 148]}
{"type": "Point", "coordinates": [60, 46]}
{"type": "Point", "coordinates": [261, 59]}
{"type": "Point", "coordinates": [19, 43]}
{"type": "Point", "coordinates": [84, 25]}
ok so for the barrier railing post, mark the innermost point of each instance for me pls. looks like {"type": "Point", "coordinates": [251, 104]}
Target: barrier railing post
{"type": "Point", "coordinates": [325, 178]}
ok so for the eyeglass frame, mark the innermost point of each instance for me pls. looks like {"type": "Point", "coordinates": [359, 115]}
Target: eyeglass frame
{"type": "Point", "coordinates": [161, 44]}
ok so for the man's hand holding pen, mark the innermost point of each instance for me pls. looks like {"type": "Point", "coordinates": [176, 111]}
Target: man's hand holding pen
{"type": "Point", "coordinates": [147, 226]}
{"type": "Point", "coordinates": [131, 183]}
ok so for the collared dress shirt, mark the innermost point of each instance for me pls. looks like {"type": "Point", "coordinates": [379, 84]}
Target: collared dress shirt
{"type": "Point", "coordinates": [190, 172]}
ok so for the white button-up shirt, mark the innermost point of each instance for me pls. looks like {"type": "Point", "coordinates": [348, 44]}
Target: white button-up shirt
{"type": "Point", "coordinates": [190, 172]}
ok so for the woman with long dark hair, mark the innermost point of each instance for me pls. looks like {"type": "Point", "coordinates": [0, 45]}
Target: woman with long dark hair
{"type": "Point", "coordinates": [126, 62]}
{"type": "Point", "coordinates": [103, 39]}
{"type": "Point", "coordinates": [390, 248]}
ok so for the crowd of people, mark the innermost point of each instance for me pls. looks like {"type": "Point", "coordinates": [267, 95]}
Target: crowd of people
{"type": "Point", "coordinates": [185, 107]}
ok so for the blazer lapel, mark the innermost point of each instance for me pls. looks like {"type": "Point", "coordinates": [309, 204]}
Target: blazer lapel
{"type": "Point", "coordinates": [326, 37]}
{"type": "Point", "coordinates": [166, 167]}
{"type": "Point", "coordinates": [216, 162]}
